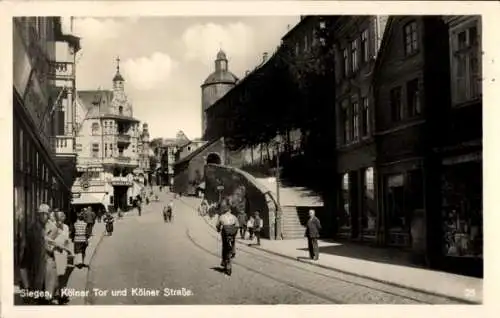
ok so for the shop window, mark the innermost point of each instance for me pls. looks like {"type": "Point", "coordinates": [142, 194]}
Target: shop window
{"type": "Point", "coordinates": [396, 106]}
{"type": "Point", "coordinates": [410, 38]}
{"type": "Point", "coordinates": [369, 217]}
{"type": "Point", "coordinates": [462, 210]}
{"type": "Point", "coordinates": [345, 210]}
{"type": "Point", "coordinates": [395, 203]}
{"type": "Point", "coordinates": [413, 98]}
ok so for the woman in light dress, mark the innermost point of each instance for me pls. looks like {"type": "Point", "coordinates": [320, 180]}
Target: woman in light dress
{"type": "Point", "coordinates": [61, 254]}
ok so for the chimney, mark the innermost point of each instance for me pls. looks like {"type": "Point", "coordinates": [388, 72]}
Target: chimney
{"type": "Point", "coordinates": [264, 57]}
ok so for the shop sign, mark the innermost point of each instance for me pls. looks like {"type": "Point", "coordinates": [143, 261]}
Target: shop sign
{"type": "Point", "coordinates": [22, 66]}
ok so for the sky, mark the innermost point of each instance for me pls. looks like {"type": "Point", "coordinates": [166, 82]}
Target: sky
{"type": "Point", "coordinates": [164, 60]}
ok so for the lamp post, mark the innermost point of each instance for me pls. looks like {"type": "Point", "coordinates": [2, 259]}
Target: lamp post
{"type": "Point", "coordinates": [277, 215]}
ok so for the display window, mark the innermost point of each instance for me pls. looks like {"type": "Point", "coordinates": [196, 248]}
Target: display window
{"type": "Point", "coordinates": [344, 218]}
{"type": "Point", "coordinates": [369, 211]}
{"type": "Point", "coordinates": [462, 210]}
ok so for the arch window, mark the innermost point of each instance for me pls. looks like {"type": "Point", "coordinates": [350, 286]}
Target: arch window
{"type": "Point", "coordinates": [120, 110]}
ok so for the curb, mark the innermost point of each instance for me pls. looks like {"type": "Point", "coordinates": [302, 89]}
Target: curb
{"type": "Point", "coordinates": [386, 282]}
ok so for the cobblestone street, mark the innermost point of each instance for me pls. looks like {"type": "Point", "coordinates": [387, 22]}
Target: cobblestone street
{"type": "Point", "coordinates": [146, 255]}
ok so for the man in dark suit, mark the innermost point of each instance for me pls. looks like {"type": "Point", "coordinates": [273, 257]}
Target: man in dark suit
{"type": "Point", "coordinates": [313, 228]}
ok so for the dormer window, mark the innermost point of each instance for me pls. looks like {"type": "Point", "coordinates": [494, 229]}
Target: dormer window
{"type": "Point", "coordinates": [120, 110]}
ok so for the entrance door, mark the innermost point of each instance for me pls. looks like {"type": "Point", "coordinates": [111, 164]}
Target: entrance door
{"type": "Point", "coordinates": [120, 197]}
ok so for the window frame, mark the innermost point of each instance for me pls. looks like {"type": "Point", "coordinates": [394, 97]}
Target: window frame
{"type": "Point", "coordinates": [365, 122]}
{"type": "Point", "coordinates": [354, 62]}
{"type": "Point", "coordinates": [413, 109]}
{"type": "Point", "coordinates": [346, 62]}
{"type": "Point", "coordinates": [95, 129]}
{"type": "Point", "coordinates": [355, 119]}
{"type": "Point", "coordinates": [467, 87]}
{"type": "Point", "coordinates": [400, 112]}
{"type": "Point", "coordinates": [95, 150]}
{"type": "Point", "coordinates": [410, 38]}
{"type": "Point", "coordinates": [346, 121]}
{"type": "Point", "coordinates": [365, 47]}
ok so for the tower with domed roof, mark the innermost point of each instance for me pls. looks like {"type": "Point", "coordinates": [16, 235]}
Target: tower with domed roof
{"type": "Point", "coordinates": [216, 85]}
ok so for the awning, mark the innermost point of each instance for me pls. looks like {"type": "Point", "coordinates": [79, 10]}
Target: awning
{"type": "Point", "coordinates": [88, 198]}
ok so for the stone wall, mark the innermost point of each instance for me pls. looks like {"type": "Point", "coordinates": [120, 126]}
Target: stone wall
{"type": "Point", "coordinates": [243, 192]}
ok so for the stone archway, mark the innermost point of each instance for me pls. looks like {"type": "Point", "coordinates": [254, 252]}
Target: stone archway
{"type": "Point", "coordinates": [214, 158]}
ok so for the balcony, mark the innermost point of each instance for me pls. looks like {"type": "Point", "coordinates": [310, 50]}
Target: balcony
{"type": "Point", "coordinates": [123, 139]}
{"type": "Point", "coordinates": [61, 71]}
{"type": "Point", "coordinates": [63, 145]}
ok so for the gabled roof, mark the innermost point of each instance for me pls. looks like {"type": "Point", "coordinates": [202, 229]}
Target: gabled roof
{"type": "Point", "coordinates": [196, 152]}
{"type": "Point", "coordinates": [90, 100]}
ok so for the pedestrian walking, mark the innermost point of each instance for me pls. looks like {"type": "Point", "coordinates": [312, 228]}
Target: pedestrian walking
{"type": "Point", "coordinates": [90, 218]}
{"type": "Point", "coordinates": [80, 238]}
{"type": "Point", "coordinates": [228, 226]}
{"type": "Point", "coordinates": [313, 228]}
{"type": "Point", "coordinates": [61, 253]}
{"type": "Point", "coordinates": [242, 220]}
{"type": "Point", "coordinates": [257, 226]}
{"type": "Point", "coordinates": [250, 224]}
{"type": "Point", "coordinates": [49, 231]}
{"type": "Point", "coordinates": [170, 210]}
{"type": "Point", "coordinates": [109, 220]}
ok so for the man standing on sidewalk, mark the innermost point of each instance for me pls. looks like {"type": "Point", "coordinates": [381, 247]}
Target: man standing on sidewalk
{"type": "Point", "coordinates": [313, 228]}
{"type": "Point", "coordinates": [90, 219]}
{"type": "Point", "coordinates": [257, 226]}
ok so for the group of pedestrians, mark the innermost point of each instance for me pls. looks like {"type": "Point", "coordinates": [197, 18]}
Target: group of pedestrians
{"type": "Point", "coordinates": [253, 226]}
{"type": "Point", "coordinates": [54, 235]}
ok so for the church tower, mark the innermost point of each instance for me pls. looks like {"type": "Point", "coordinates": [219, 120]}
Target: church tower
{"type": "Point", "coordinates": [120, 106]}
{"type": "Point", "coordinates": [215, 86]}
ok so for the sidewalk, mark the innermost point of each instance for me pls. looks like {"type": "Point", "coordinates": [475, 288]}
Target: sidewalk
{"type": "Point", "coordinates": [371, 263]}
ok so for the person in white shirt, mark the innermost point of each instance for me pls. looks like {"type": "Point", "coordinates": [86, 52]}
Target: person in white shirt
{"type": "Point", "coordinates": [228, 226]}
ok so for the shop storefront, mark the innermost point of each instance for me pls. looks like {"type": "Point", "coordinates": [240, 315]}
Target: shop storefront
{"type": "Point", "coordinates": [36, 181]}
{"type": "Point", "coordinates": [461, 207]}
{"type": "Point", "coordinates": [357, 217]}
{"type": "Point", "coordinates": [402, 196]}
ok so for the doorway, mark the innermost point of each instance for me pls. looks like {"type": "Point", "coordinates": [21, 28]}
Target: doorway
{"type": "Point", "coordinates": [120, 198]}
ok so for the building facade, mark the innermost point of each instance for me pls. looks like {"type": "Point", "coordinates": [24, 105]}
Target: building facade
{"type": "Point", "coordinates": [216, 85]}
{"type": "Point", "coordinates": [145, 153]}
{"type": "Point", "coordinates": [357, 41]}
{"type": "Point", "coordinates": [460, 150]}
{"type": "Point", "coordinates": [190, 170]}
{"type": "Point", "coordinates": [108, 149]}
{"type": "Point", "coordinates": [37, 176]}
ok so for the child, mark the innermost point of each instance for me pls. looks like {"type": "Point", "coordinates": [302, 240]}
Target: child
{"type": "Point", "coordinates": [250, 224]}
